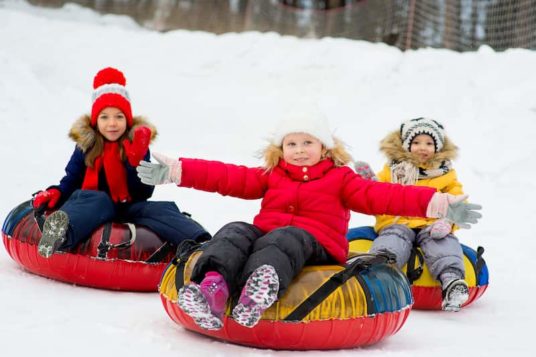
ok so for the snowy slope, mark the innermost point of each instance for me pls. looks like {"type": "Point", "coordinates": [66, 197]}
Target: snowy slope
{"type": "Point", "coordinates": [218, 97]}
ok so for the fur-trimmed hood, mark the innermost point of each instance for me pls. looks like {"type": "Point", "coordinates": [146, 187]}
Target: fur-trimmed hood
{"type": "Point", "coordinates": [84, 135]}
{"type": "Point", "coordinates": [392, 147]}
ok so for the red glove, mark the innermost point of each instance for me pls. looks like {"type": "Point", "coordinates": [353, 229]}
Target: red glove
{"type": "Point", "coordinates": [50, 196]}
{"type": "Point", "coordinates": [137, 149]}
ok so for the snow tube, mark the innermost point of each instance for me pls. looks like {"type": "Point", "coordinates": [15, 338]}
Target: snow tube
{"type": "Point", "coordinates": [116, 256]}
{"type": "Point", "coordinates": [326, 307]}
{"type": "Point", "coordinates": [425, 289]}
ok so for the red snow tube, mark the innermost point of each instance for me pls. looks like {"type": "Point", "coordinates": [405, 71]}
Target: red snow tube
{"type": "Point", "coordinates": [426, 290]}
{"type": "Point", "coordinates": [116, 256]}
{"type": "Point", "coordinates": [325, 307]}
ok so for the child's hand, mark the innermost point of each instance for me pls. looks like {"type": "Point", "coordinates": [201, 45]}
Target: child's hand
{"type": "Point", "coordinates": [49, 198]}
{"type": "Point", "coordinates": [137, 149]}
{"type": "Point", "coordinates": [167, 170]}
{"type": "Point", "coordinates": [440, 228]}
{"type": "Point", "coordinates": [444, 205]}
{"type": "Point", "coordinates": [364, 170]}
{"type": "Point", "coordinates": [462, 213]}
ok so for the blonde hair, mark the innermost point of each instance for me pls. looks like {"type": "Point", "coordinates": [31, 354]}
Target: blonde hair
{"type": "Point", "coordinates": [340, 156]}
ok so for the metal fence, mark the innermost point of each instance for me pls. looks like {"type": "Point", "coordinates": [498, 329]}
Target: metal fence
{"type": "Point", "coordinates": [461, 25]}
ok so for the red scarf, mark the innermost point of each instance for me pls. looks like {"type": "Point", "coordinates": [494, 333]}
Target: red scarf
{"type": "Point", "coordinates": [114, 169]}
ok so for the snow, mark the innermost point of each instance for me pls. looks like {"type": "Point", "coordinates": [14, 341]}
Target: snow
{"type": "Point", "coordinates": [218, 97]}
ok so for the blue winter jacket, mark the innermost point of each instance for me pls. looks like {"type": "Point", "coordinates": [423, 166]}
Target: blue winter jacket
{"type": "Point", "coordinates": [76, 170]}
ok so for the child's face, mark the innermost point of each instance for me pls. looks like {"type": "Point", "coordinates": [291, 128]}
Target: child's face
{"type": "Point", "coordinates": [111, 123]}
{"type": "Point", "coordinates": [423, 147]}
{"type": "Point", "coordinates": [302, 149]}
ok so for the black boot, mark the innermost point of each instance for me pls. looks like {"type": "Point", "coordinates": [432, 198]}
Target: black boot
{"type": "Point", "coordinates": [455, 295]}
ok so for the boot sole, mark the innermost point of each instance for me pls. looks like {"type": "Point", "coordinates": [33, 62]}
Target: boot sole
{"type": "Point", "coordinates": [261, 290]}
{"type": "Point", "coordinates": [54, 231]}
{"type": "Point", "coordinates": [194, 304]}
{"type": "Point", "coordinates": [455, 298]}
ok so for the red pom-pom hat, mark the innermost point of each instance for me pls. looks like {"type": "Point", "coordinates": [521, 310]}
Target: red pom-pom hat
{"type": "Point", "coordinates": [110, 91]}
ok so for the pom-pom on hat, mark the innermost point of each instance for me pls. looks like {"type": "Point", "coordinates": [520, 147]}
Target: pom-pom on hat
{"type": "Point", "coordinates": [308, 121]}
{"type": "Point", "coordinates": [109, 91]}
{"type": "Point", "coordinates": [411, 128]}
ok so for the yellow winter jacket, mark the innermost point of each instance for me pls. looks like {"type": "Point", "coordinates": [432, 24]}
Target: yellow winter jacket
{"type": "Point", "coordinates": [447, 183]}
{"type": "Point", "coordinates": [391, 146]}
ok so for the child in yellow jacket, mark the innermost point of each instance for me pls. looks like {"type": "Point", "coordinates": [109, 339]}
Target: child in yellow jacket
{"type": "Point", "coordinates": [420, 154]}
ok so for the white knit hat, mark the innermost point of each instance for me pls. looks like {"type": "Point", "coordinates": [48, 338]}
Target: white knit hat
{"type": "Point", "coordinates": [411, 128]}
{"type": "Point", "coordinates": [311, 122]}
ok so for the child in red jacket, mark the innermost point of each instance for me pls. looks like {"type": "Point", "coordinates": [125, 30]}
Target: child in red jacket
{"type": "Point", "coordinates": [307, 194]}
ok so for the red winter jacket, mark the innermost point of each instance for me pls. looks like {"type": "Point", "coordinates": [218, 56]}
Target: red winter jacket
{"type": "Point", "coordinates": [315, 198]}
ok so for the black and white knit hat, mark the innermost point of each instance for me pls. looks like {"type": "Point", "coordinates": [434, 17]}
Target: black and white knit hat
{"type": "Point", "coordinates": [309, 121]}
{"type": "Point", "coordinates": [411, 128]}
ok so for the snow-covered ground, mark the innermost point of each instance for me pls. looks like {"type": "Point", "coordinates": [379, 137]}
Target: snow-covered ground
{"type": "Point", "coordinates": [218, 97]}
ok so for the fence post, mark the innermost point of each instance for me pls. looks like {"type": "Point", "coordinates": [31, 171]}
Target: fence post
{"type": "Point", "coordinates": [411, 13]}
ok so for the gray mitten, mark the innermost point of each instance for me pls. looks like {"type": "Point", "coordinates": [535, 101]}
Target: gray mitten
{"type": "Point", "coordinates": [444, 205]}
{"type": "Point", "coordinates": [440, 228]}
{"type": "Point", "coordinates": [364, 170]}
{"type": "Point", "coordinates": [167, 170]}
{"type": "Point", "coordinates": [462, 213]}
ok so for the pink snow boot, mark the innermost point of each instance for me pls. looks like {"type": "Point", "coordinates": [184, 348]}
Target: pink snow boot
{"type": "Point", "coordinates": [205, 302]}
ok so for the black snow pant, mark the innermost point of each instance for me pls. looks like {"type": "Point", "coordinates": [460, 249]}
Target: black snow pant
{"type": "Point", "coordinates": [239, 248]}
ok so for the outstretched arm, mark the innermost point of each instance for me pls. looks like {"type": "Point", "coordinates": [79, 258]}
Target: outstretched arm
{"type": "Point", "coordinates": [376, 198]}
{"type": "Point", "coordinates": [212, 176]}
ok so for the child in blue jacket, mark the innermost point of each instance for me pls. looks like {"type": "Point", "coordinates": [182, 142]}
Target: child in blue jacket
{"type": "Point", "coordinates": [101, 183]}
